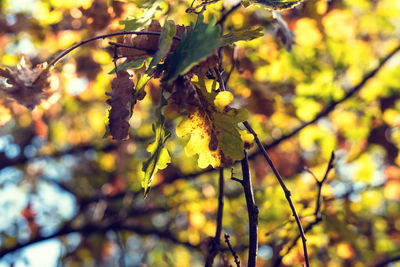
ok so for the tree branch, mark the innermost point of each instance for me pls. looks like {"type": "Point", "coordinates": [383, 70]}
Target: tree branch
{"type": "Point", "coordinates": [286, 191]}
{"type": "Point", "coordinates": [215, 243]}
{"type": "Point", "coordinates": [252, 211]}
{"type": "Point", "coordinates": [317, 212]}
{"type": "Point", "coordinates": [66, 52]}
{"type": "Point", "coordinates": [224, 16]}
{"type": "Point", "coordinates": [94, 228]}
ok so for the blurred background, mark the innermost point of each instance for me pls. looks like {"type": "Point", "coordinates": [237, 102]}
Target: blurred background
{"type": "Point", "coordinates": [69, 197]}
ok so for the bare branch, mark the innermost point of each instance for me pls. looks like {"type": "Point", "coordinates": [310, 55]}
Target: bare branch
{"type": "Point", "coordinates": [252, 211]}
{"type": "Point", "coordinates": [286, 191]}
{"type": "Point", "coordinates": [235, 256]}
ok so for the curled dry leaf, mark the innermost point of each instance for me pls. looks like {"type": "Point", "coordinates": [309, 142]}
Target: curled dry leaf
{"type": "Point", "coordinates": [26, 85]}
{"type": "Point", "coordinates": [282, 31]}
{"type": "Point", "coordinates": [147, 45]}
{"type": "Point", "coordinates": [120, 102]}
{"type": "Point", "coordinates": [142, 45]}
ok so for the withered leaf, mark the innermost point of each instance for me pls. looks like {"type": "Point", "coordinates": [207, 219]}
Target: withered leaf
{"type": "Point", "coordinates": [282, 31]}
{"type": "Point", "coordinates": [120, 102]}
{"type": "Point", "coordinates": [26, 85]}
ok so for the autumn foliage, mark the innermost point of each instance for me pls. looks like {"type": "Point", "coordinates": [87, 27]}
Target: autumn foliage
{"type": "Point", "coordinates": [201, 133]}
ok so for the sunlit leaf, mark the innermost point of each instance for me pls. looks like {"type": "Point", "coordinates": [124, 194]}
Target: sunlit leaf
{"type": "Point", "coordinates": [159, 155]}
{"type": "Point", "coordinates": [214, 131]}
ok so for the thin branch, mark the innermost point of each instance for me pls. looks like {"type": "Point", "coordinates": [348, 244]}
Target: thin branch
{"type": "Point", "coordinates": [252, 211]}
{"type": "Point", "coordinates": [286, 191]}
{"type": "Point", "coordinates": [220, 206]}
{"type": "Point", "coordinates": [223, 18]}
{"type": "Point", "coordinates": [215, 243]}
{"type": "Point", "coordinates": [317, 212]}
{"type": "Point", "coordinates": [66, 52]}
{"type": "Point", "coordinates": [387, 261]}
{"type": "Point", "coordinates": [235, 256]}
{"type": "Point", "coordinates": [94, 228]}
{"type": "Point", "coordinates": [202, 5]}
{"type": "Point", "coordinates": [331, 165]}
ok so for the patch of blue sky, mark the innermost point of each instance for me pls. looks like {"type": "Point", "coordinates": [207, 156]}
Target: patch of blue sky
{"type": "Point", "coordinates": [77, 85]}
{"type": "Point", "coordinates": [5, 141]}
{"type": "Point", "coordinates": [53, 206]}
{"type": "Point", "coordinates": [12, 200]}
{"type": "Point", "coordinates": [16, 6]}
{"type": "Point", "coordinates": [43, 254]}
{"type": "Point", "coordinates": [57, 170]}
{"type": "Point", "coordinates": [24, 46]}
{"type": "Point", "coordinates": [10, 175]}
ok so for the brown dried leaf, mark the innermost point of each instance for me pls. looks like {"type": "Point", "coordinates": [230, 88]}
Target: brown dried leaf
{"type": "Point", "coordinates": [208, 64]}
{"type": "Point", "coordinates": [28, 86]}
{"type": "Point", "coordinates": [147, 45]}
{"type": "Point", "coordinates": [120, 102]}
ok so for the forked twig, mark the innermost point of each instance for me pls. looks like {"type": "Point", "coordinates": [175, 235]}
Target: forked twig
{"type": "Point", "coordinates": [285, 189]}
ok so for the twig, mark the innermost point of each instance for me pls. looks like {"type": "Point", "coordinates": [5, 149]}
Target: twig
{"type": "Point", "coordinates": [203, 5]}
{"type": "Point", "coordinates": [331, 165]}
{"type": "Point", "coordinates": [66, 52]}
{"type": "Point", "coordinates": [286, 191]}
{"type": "Point", "coordinates": [317, 212]}
{"type": "Point", "coordinates": [223, 18]}
{"type": "Point", "coordinates": [215, 243]}
{"type": "Point", "coordinates": [220, 206]}
{"type": "Point", "coordinates": [94, 228]}
{"type": "Point", "coordinates": [387, 261]}
{"type": "Point", "coordinates": [252, 210]}
{"type": "Point", "coordinates": [235, 256]}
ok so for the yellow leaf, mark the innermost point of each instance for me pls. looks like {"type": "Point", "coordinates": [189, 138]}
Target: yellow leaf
{"type": "Point", "coordinates": [223, 99]}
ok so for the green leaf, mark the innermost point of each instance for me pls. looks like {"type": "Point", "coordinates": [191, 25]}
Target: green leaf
{"type": "Point", "coordinates": [242, 35]}
{"type": "Point", "coordinates": [136, 64]}
{"type": "Point", "coordinates": [164, 43]}
{"type": "Point", "coordinates": [159, 155]}
{"type": "Point", "coordinates": [140, 20]}
{"type": "Point", "coordinates": [196, 45]}
{"type": "Point", "coordinates": [273, 4]}
{"type": "Point", "coordinates": [213, 129]}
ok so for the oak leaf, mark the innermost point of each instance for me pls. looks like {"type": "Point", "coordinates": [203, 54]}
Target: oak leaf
{"type": "Point", "coordinates": [26, 85]}
{"type": "Point", "coordinates": [214, 131]}
{"type": "Point", "coordinates": [159, 155]}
